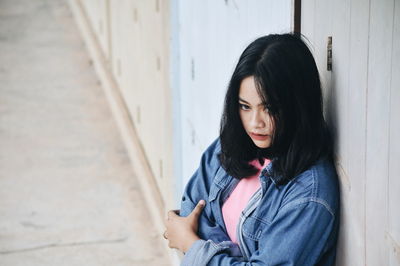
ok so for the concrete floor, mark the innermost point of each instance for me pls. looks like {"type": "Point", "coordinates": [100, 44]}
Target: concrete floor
{"type": "Point", "coordinates": [68, 194]}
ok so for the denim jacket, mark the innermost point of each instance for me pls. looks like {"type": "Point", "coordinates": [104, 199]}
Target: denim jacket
{"type": "Point", "coordinates": [293, 224]}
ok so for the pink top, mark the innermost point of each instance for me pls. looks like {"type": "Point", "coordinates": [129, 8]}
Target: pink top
{"type": "Point", "coordinates": [239, 198]}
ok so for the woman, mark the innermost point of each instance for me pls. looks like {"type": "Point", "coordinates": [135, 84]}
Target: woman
{"type": "Point", "coordinates": [266, 191]}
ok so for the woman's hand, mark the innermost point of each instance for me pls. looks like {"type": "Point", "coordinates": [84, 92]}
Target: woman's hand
{"type": "Point", "coordinates": [181, 232]}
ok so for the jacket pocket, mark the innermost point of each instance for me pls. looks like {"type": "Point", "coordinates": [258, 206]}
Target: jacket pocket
{"type": "Point", "coordinates": [214, 190]}
{"type": "Point", "coordinates": [217, 184]}
{"type": "Point", "coordinates": [253, 228]}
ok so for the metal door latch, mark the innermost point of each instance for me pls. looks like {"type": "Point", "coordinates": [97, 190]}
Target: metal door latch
{"type": "Point", "coordinates": [329, 54]}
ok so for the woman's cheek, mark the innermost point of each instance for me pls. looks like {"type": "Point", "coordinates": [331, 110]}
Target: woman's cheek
{"type": "Point", "coordinates": [243, 118]}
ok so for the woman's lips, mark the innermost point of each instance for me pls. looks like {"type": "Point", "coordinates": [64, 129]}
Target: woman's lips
{"type": "Point", "coordinates": [259, 136]}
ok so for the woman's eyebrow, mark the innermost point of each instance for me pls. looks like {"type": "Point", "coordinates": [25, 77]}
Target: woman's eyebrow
{"type": "Point", "coordinates": [240, 99]}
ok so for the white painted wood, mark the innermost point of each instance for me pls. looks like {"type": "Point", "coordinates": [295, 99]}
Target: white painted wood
{"type": "Point", "coordinates": [393, 238]}
{"type": "Point", "coordinates": [360, 101]}
{"type": "Point", "coordinates": [340, 74]}
{"type": "Point", "coordinates": [139, 32]}
{"type": "Point", "coordinates": [174, 73]}
{"type": "Point", "coordinates": [351, 250]}
{"type": "Point", "coordinates": [115, 35]}
{"type": "Point", "coordinates": [96, 10]}
{"type": "Point", "coordinates": [323, 29]}
{"type": "Point", "coordinates": [307, 20]}
{"type": "Point", "coordinates": [138, 156]}
{"type": "Point", "coordinates": [321, 19]}
{"type": "Point", "coordinates": [378, 111]}
{"type": "Point", "coordinates": [345, 61]}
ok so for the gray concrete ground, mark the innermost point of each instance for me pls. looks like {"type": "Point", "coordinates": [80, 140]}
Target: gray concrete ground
{"type": "Point", "coordinates": [68, 195]}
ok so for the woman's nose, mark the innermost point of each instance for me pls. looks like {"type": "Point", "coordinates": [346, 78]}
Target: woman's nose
{"type": "Point", "coordinates": [258, 119]}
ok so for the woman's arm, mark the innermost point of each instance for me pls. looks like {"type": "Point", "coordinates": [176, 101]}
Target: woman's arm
{"type": "Point", "coordinates": [181, 232]}
{"type": "Point", "coordinates": [198, 188]}
{"type": "Point", "coordinates": [300, 233]}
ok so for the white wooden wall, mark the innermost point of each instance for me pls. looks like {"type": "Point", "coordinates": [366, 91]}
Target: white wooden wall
{"type": "Point", "coordinates": [134, 36]}
{"type": "Point", "coordinates": [210, 36]}
{"type": "Point", "coordinates": [362, 94]}
{"type": "Point", "coordinates": [98, 14]}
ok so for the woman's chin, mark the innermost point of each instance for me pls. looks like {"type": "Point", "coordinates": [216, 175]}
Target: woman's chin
{"type": "Point", "coordinates": [261, 144]}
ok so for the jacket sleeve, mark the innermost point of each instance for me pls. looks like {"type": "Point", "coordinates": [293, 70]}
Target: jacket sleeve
{"type": "Point", "coordinates": [299, 234]}
{"type": "Point", "coordinates": [198, 188]}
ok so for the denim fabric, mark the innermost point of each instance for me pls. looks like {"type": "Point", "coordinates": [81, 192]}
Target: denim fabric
{"type": "Point", "coordinates": [293, 224]}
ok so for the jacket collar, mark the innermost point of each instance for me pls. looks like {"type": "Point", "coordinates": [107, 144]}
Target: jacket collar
{"type": "Point", "coordinates": [268, 172]}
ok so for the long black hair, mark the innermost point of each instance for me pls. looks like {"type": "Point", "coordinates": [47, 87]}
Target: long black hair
{"type": "Point", "coordinates": [287, 81]}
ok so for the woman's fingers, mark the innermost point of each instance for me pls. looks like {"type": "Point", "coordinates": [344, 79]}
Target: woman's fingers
{"type": "Point", "coordinates": [195, 214]}
{"type": "Point", "coordinates": [198, 209]}
{"type": "Point", "coordinates": [171, 214]}
{"type": "Point", "coordinates": [181, 232]}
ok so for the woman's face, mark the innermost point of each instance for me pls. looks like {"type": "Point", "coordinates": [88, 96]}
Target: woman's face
{"type": "Point", "coordinates": [254, 115]}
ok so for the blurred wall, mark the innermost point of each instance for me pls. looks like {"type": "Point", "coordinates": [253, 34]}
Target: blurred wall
{"type": "Point", "coordinates": [362, 103]}
{"type": "Point", "coordinates": [134, 37]}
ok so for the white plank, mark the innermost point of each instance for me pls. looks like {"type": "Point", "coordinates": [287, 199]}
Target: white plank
{"type": "Point", "coordinates": [308, 20]}
{"type": "Point", "coordinates": [322, 29]}
{"type": "Point", "coordinates": [378, 107]}
{"type": "Point", "coordinates": [394, 145]}
{"type": "Point", "coordinates": [352, 238]}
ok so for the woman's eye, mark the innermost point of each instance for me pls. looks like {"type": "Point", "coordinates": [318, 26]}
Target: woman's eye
{"type": "Point", "coordinates": [244, 107]}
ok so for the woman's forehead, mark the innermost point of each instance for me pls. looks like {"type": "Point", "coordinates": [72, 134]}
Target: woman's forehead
{"type": "Point", "coordinates": [249, 93]}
